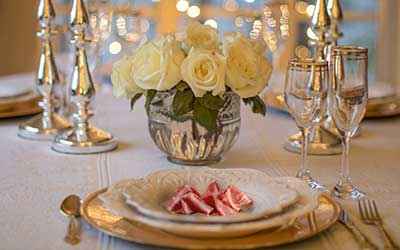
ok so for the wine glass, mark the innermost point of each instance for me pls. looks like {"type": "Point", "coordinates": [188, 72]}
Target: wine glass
{"type": "Point", "coordinates": [348, 96]}
{"type": "Point", "coordinates": [306, 92]}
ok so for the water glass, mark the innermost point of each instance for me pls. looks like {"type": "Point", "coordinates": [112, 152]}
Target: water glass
{"type": "Point", "coordinates": [306, 93]}
{"type": "Point", "coordinates": [348, 97]}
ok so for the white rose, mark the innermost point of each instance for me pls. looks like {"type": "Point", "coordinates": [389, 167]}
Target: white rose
{"type": "Point", "coordinates": [203, 71]}
{"type": "Point", "coordinates": [122, 80]}
{"type": "Point", "coordinates": [248, 71]}
{"type": "Point", "coordinates": [201, 36]}
{"type": "Point", "coordinates": [156, 65]}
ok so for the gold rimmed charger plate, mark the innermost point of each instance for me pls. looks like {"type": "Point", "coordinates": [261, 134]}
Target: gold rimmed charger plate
{"type": "Point", "coordinates": [383, 107]}
{"type": "Point", "coordinates": [100, 218]}
{"type": "Point", "coordinates": [19, 105]}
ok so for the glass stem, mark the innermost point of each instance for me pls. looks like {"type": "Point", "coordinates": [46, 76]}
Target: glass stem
{"type": "Point", "coordinates": [345, 172]}
{"type": "Point", "coordinates": [304, 172]}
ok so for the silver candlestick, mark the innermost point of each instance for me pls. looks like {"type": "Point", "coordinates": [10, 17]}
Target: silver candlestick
{"type": "Point", "coordinates": [336, 14]}
{"type": "Point", "coordinates": [47, 124]}
{"type": "Point", "coordinates": [322, 141]}
{"type": "Point", "coordinates": [82, 138]}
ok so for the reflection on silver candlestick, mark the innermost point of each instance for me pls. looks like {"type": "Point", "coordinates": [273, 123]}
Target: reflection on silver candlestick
{"type": "Point", "coordinates": [322, 141]}
{"type": "Point", "coordinates": [336, 14]}
{"type": "Point", "coordinates": [47, 124]}
{"type": "Point", "coordinates": [82, 138]}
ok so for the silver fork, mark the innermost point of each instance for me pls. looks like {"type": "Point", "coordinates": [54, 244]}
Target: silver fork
{"type": "Point", "coordinates": [362, 240]}
{"type": "Point", "coordinates": [370, 215]}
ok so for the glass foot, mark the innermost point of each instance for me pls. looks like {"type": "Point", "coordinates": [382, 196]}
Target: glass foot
{"type": "Point", "coordinates": [347, 192]}
{"type": "Point", "coordinates": [187, 162]}
{"type": "Point", "coordinates": [314, 184]}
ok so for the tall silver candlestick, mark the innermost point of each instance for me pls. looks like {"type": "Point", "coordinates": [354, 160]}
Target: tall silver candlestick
{"type": "Point", "coordinates": [82, 138]}
{"type": "Point", "coordinates": [336, 14]}
{"type": "Point", "coordinates": [47, 124]}
{"type": "Point", "coordinates": [322, 141]}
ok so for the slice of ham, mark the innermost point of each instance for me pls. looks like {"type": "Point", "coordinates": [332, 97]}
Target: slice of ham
{"type": "Point", "coordinates": [223, 209]}
{"type": "Point", "coordinates": [197, 204]}
{"type": "Point", "coordinates": [235, 198]}
{"type": "Point", "coordinates": [212, 189]}
{"type": "Point", "coordinates": [211, 193]}
{"type": "Point", "coordinates": [215, 201]}
{"type": "Point", "coordinates": [184, 208]}
{"type": "Point", "coordinates": [186, 189]}
{"type": "Point", "coordinates": [173, 204]}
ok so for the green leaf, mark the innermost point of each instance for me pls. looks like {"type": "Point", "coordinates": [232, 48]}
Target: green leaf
{"type": "Point", "coordinates": [247, 101]}
{"type": "Point", "coordinates": [182, 118]}
{"type": "Point", "coordinates": [212, 102]}
{"type": "Point", "coordinates": [257, 105]}
{"type": "Point", "coordinates": [205, 117]}
{"type": "Point", "coordinates": [150, 94]}
{"type": "Point", "coordinates": [134, 100]}
{"type": "Point", "coordinates": [183, 102]}
{"type": "Point", "coordinates": [182, 86]}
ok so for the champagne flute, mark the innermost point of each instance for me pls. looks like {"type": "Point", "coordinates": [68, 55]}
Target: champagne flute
{"type": "Point", "coordinates": [348, 96]}
{"type": "Point", "coordinates": [306, 91]}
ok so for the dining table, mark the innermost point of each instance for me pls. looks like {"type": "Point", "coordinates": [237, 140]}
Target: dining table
{"type": "Point", "coordinates": [34, 179]}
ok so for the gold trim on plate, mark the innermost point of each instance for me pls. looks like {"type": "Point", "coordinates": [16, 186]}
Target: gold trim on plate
{"type": "Point", "coordinates": [100, 218]}
{"type": "Point", "coordinates": [19, 105]}
{"type": "Point", "coordinates": [383, 107]}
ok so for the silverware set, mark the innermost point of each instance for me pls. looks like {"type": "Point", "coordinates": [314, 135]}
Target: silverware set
{"type": "Point", "coordinates": [369, 215]}
{"type": "Point", "coordinates": [361, 239]}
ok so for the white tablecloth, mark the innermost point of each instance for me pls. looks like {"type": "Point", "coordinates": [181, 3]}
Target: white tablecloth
{"type": "Point", "coordinates": [34, 179]}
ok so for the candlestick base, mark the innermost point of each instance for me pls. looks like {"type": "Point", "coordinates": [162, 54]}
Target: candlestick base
{"type": "Point", "coordinates": [322, 142]}
{"type": "Point", "coordinates": [97, 141]}
{"type": "Point", "coordinates": [330, 126]}
{"type": "Point", "coordinates": [39, 129]}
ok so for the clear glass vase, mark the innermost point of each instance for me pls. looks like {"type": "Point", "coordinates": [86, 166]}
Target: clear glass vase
{"type": "Point", "coordinates": [188, 143]}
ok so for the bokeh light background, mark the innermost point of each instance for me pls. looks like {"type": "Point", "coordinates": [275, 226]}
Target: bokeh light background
{"type": "Point", "coordinates": [119, 26]}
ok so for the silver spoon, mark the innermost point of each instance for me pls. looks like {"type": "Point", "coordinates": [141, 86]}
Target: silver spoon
{"type": "Point", "coordinates": [70, 207]}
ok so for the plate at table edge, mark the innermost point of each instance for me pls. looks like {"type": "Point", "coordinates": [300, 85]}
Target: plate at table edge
{"type": "Point", "coordinates": [20, 105]}
{"type": "Point", "coordinates": [93, 212]}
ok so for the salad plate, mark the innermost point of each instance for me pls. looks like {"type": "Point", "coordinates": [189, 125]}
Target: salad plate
{"type": "Point", "coordinates": [149, 195]}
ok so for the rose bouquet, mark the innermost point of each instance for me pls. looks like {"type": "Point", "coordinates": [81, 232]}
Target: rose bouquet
{"type": "Point", "coordinates": [200, 68]}
{"type": "Point", "coordinates": [193, 90]}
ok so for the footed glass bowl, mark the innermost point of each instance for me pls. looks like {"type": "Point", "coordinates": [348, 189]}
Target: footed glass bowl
{"type": "Point", "coordinates": [187, 142]}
